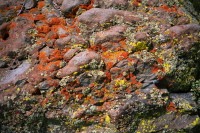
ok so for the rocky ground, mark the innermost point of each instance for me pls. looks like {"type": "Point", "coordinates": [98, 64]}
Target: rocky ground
{"type": "Point", "coordinates": [99, 66]}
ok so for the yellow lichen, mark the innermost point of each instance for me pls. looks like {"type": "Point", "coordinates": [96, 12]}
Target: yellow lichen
{"type": "Point", "coordinates": [107, 118]}
{"type": "Point", "coordinates": [140, 45]}
{"type": "Point", "coordinates": [195, 122]}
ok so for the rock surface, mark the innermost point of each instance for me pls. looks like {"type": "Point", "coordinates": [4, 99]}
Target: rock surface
{"type": "Point", "coordinates": [106, 66]}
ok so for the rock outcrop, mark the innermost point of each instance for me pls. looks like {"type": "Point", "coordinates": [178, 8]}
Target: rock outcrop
{"type": "Point", "coordinates": [106, 66]}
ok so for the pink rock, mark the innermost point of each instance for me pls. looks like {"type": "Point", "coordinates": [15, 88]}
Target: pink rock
{"type": "Point", "coordinates": [114, 34]}
{"type": "Point", "coordinates": [69, 54]}
{"type": "Point", "coordinates": [184, 29]}
{"type": "Point", "coordinates": [80, 59]}
{"type": "Point", "coordinates": [118, 3]}
{"type": "Point", "coordinates": [68, 5]}
{"type": "Point", "coordinates": [71, 39]}
{"type": "Point", "coordinates": [183, 20]}
{"type": "Point", "coordinates": [95, 18]}
{"type": "Point", "coordinates": [140, 36]}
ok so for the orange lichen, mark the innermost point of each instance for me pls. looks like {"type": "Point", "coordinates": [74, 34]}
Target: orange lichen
{"type": "Point", "coordinates": [43, 57]}
{"type": "Point", "coordinates": [155, 69]}
{"type": "Point", "coordinates": [171, 107]}
{"type": "Point", "coordinates": [65, 93]}
{"type": "Point", "coordinates": [55, 55]}
{"type": "Point", "coordinates": [62, 21]}
{"type": "Point", "coordinates": [123, 55]}
{"type": "Point", "coordinates": [41, 4]}
{"type": "Point", "coordinates": [55, 28]}
{"type": "Point", "coordinates": [33, 10]}
{"type": "Point", "coordinates": [50, 66]}
{"type": "Point", "coordinates": [168, 9]}
{"type": "Point", "coordinates": [12, 25]}
{"type": "Point", "coordinates": [109, 65]}
{"type": "Point", "coordinates": [43, 29]}
{"type": "Point", "coordinates": [159, 60]}
{"type": "Point", "coordinates": [108, 77]}
{"type": "Point", "coordinates": [27, 15]}
{"type": "Point", "coordinates": [133, 80]}
{"type": "Point", "coordinates": [40, 17]}
{"type": "Point", "coordinates": [45, 101]}
{"type": "Point", "coordinates": [72, 14]}
{"type": "Point", "coordinates": [41, 35]}
{"type": "Point", "coordinates": [54, 21]}
{"type": "Point", "coordinates": [63, 35]}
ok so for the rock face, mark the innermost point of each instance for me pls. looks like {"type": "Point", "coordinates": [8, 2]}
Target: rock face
{"type": "Point", "coordinates": [84, 66]}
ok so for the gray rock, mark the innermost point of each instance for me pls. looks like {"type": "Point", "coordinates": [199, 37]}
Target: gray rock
{"type": "Point", "coordinates": [30, 4]}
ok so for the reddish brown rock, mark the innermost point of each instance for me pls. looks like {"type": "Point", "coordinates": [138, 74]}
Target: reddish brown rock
{"type": "Point", "coordinates": [114, 34]}
{"type": "Point", "coordinates": [80, 59]}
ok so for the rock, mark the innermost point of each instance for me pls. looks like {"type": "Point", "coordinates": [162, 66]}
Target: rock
{"type": "Point", "coordinates": [96, 17]}
{"type": "Point", "coordinates": [77, 61]}
{"type": "Point", "coordinates": [182, 29]}
{"type": "Point", "coordinates": [68, 5]}
{"type": "Point", "coordinates": [2, 19]}
{"type": "Point", "coordinates": [12, 76]}
{"type": "Point", "coordinates": [69, 40]}
{"type": "Point", "coordinates": [35, 76]}
{"type": "Point", "coordinates": [140, 36]}
{"type": "Point", "coordinates": [69, 54]}
{"type": "Point", "coordinates": [119, 4]}
{"type": "Point", "coordinates": [114, 34]}
{"type": "Point", "coordinates": [170, 122]}
{"type": "Point", "coordinates": [30, 4]}
{"type": "Point", "coordinates": [47, 84]}
{"type": "Point", "coordinates": [184, 102]}
{"type": "Point", "coordinates": [87, 78]}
